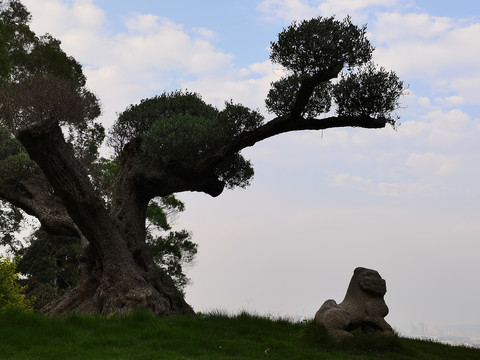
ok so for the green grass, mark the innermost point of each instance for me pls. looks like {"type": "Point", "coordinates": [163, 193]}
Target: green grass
{"type": "Point", "coordinates": [212, 336]}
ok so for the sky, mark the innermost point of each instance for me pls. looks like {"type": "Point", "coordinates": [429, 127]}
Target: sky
{"type": "Point", "coordinates": [404, 201]}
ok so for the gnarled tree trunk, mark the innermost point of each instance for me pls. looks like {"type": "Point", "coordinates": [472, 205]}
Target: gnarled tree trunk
{"type": "Point", "coordinates": [118, 274]}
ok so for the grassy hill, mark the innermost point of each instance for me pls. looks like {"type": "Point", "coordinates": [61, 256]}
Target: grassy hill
{"type": "Point", "coordinates": [213, 336]}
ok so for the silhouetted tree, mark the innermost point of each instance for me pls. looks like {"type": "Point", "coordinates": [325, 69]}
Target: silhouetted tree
{"type": "Point", "coordinates": [171, 143]}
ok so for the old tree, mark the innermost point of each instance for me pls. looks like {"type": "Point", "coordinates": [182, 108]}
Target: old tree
{"type": "Point", "coordinates": [171, 143]}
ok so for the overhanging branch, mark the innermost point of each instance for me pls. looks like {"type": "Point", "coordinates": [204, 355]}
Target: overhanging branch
{"type": "Point", "coordinates": [34, 199]}
{"type": "Point", "coordinates": [282, 125]}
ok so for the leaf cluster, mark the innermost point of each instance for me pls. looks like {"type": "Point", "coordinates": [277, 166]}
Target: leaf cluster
{"type": "Point", "coordinates": [41, 100]}
{"type": "Point", "coordinates": [180, 127]}
{"type": "Point", "coordinates": [104, 173]}
{"type": "Point", "coordinates": [160, 211]}
{"type": "Point", "coordinates": [14, 161]}
{"type": "Point", "coordinates": [11, 221]}
{"type": "Point", "coordinates": [136, 120]}
{"type": "Point", "coordinates": [22, 53]}
{"type": "Point", "coordinates": [86, 139]}
{"type": "Point", "coordinates": [39, 83]}
{"type": "Point", "coordinates": [311, 46]}
{"type": "Point", "coordinates": [172, 252]}
{"type": "Point", "coordinates": [11, 293]}
{"type": "Point", "coordinates": [308, 49]}
{"type": "Point", "coordinates": [181, 138]}
{"type": "Point", "coordinates": [49, 264]}
{"type": "Point", "coordinates": [370, 91]}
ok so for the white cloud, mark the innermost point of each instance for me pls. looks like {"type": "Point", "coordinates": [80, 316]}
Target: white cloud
{"type": "Point", "coordinates": [453, 100]}
{"type": "Point", "coordinates": [449, 129]}
{"type": "Point", "coordinates": [434, 164]}
{"type": "Point", "coordinates": [382, 189]}
{"type": "Point", "coordinates": [426, 46]}
{"type": "Point", "coordinates": [154, 43]}
{"type": "Point", "coordinates": [149, 24]}
{"type": "Point", "coordinates": [58, 17]}
{"type": "Point", "coordinates": [248, 86]}
{"type": "Point", "coordinates": [286, 10]}
{"type": "Point", "coordinates": [350, 180]}
{"type": "Point", "coordinates": [424, 101]}
{"type": "Point", "coordinates": [342, 8]}
{"type": "Point", "coordinates": [413, 26]}
{"type": "Point", "coordinates": [468, 87]}
{"type": "Point", "coordinates": [289, 10]}
{"type": "Point", "coordinates": [205, 33]}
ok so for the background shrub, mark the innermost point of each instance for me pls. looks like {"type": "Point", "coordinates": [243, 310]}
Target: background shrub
{"type": "Point", "coordinates": [11, 293]}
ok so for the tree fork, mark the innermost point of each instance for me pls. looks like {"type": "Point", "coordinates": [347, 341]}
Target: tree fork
{"type": "Point", "coordinates": [114, 280]}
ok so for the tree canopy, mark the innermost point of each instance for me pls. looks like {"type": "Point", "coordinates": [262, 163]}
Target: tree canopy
{"type": "Point", "coordinates": [170, 143]}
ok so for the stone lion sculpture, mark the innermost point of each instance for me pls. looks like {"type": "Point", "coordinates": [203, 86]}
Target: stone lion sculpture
{"type": "Point", "coordinates": [363, 307]}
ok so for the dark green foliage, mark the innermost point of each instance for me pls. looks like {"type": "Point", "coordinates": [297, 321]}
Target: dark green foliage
{"type": "Point", "coordinates": [157, 216]}
{"type": "Point", "coordinates": [310, 46]}
{"type": "Point", "coordinates": [47, 100]}
{"type": "Point", "coordinates": [282, 97]}
{"type": "Point", "coordinates": [181, 127]}
{"type": "Point", "coordinates": [235, 171]}
{"type": "Point", "coordinates": [11, 220]}
{"type": "Point", "coordinates": [14, 161]}
{"type": "Point", "coordinates": [369, 91]}
{"type": "Point", "coordinates": [181, 138]}
{"type": "Point", "coordinates": [136, 120]}
{"type": "Point", "coordinates": [47, 57]}
{"type": "Point", "coordinates": [15, 37]}
{"type": "Point", "coordinates": [49, 265]}
{"type": "Point", "coordinates": [236, 119]}
{"type": "Point", "coordinates": [161, 210]}
{"type": "Point", "coordinates": [104, 173]}
{"type": "Point", "coordinates": [38, 81]}
{"type": "Point", "coordinates": [23, 53]}
{"type": "Point", "coordinates": [86, 139]}
{"type": "Point", "coordinates": [172, 252]}
{"type": "Point", "coordinates": [8, 144]}
{"type": "Point", "coordinates": [19, 166]}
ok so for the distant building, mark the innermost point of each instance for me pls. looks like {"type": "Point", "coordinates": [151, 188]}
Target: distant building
{"type": "Point", "coordinates": [468, 335]}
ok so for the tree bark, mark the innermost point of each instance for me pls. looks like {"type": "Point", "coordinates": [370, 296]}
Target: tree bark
{"type": "Point", "coordinates": [34, 197]}
{"type": "Point", "coordinates": [117, 275]}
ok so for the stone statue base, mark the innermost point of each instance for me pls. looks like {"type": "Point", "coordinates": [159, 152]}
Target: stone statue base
{"type": "Point", "coordinates": [363, 307]}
